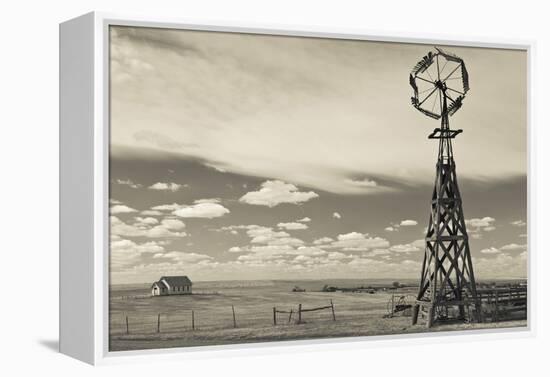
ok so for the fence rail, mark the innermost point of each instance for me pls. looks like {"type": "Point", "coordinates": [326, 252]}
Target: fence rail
{"type": "Point", "coordinates": [300, 311]}
{"type": "Point", "coordinates": [502, 301]}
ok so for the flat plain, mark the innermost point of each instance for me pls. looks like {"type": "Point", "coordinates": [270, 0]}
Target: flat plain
{"type": "Point", "coordinates": [139, 321]}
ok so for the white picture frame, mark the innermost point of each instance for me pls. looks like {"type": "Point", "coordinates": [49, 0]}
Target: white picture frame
{"type": "Point", "coordinates": [84, 164]}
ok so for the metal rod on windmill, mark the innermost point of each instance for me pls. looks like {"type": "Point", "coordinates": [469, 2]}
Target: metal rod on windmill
{"type": "Point", "coordinates": [447, 283]}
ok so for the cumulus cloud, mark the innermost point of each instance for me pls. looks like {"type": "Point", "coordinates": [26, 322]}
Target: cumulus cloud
{"type": "Point", "coordinates": [292, 226]}
{"type": "Point", "coordinates": [266, 235]}
{"type": "Point", "coordinates": [304, 220]}
{"type": "Point", "coordinates": [263, 253]}
{"type": "Point", "coordinates": [166, 207]}
{"type": "Point", "coordinates": [390, 229]}
{"type": "Point", "coordinates": [480, 223]}
{"type": "Point", "coordinates": [267, 244]}
{"type": "Point", "coordinates": [377, 252]}
{"type": "Point", "coordinates": [209, 200]}
{"type": "Point", "coordinates": [170, 186]}
{"type": "Point", "coordinates": [121, 208]}
{"type": "Point", "coordinates": [173, 224]}
{"type": "Point", "coordinates": [490, 250]}
{"type": "Point", "coordinates": [291, 241]}
{"type": "Point", "coordinates": [259, 253]}
{"type": "Point", "coordinates": [518, 223]}
{"type": "Point", "coordinates": [513, 246]}
{"type": "Point", "coordinates": [303, 259]}
{"type": "Point", "coordinates": [308, 250]}
{"type": "Point", "coordinates": [124, 252]}
{"type": "Point", "coordinates": [273, 193]}
{"type": "Point", "coordinates": [351, 236]}
{"type": "Point", "coordinates": [263, 234]}
{"type": "Point", "coordinates": [258, 257]}
{"type": "Point", "coordinates": [407, 248]}
{"type": "Point", "coordinates": [147, 220]}
{"type": "Point", "coordinates": [501, 265]}
{"type": "Point", "coordinates": [408, 223]}
{"type": "Point", "coordinates": [322, 240]}
{"type": "Point", "coordinates": [355, 241]}
{"type": "Point", "coordinates": [337, 255]}
{"type": "Point", "coordinates": [202, 208]}
{"type": "Point", "coordinates": [475, 226]}
{"type": "Point", "coordinates": [336, 215]}
{"type": "Point", "coordinates": [133, 247]}
{"type": "Point", "coordinates": [168, 228]}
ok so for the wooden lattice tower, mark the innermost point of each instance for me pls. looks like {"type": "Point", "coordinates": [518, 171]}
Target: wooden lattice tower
{"type": "Point", "coordinates": [447, 283]}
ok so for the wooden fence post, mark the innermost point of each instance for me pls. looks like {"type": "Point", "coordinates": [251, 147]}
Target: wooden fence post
{"type": "Point", "coordinates": [193, 319]}
{"type": "Point", "coordinates": [299, 313]}
{"type": "Point", "coordinates": [158, 323]}
{"type": "Point", "coordinates": [274, 316]}
{"type": "Point", "coordinates": [234, 320]}
{"type": "Point", "coordinates": [495, 316]}
{"type": "Point", "coordinates": [290, 316]}
{"type": "Point", "coordinates": [127, 328]}
{"type": "Point", "coordinates": [332, 307]}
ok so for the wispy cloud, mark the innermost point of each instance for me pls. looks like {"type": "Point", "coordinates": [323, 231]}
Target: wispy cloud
{"type": "Point", "coordinates": [222, 85]}
{"type": "Point", "coordinates": [127, 182]}
{"type": "Point", "coordinates": [519, 223]}
{"type": "Point", "coordinates": [408, 223]}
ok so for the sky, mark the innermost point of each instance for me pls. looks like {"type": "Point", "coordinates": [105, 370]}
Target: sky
{"type": "Point", "coordinates": [240, 156]}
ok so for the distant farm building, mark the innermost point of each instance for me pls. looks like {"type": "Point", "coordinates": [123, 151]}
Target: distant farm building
{"type": "Point", "coordinates": [172, 285]}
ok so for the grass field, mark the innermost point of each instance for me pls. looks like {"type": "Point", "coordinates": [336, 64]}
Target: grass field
{"type": "Point", "coordinates": [357, 314]}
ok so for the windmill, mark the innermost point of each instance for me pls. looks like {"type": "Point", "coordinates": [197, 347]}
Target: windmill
{"type": "Point", "coordinates": [447, 283]}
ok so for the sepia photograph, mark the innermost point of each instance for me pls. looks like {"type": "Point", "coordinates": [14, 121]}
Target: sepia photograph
{"type": "Point", "coordinates": [268, 188]}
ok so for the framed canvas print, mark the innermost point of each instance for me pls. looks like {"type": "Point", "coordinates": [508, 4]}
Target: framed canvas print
{"type": "Point", "coordinates": [224, 187]}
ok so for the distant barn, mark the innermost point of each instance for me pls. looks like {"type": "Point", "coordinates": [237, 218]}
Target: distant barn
{"type": "Point", "coordinates": [172, 285]}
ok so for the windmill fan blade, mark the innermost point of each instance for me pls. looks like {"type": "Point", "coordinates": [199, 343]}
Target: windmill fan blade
{"type": "Point", "coordinates": [422, 65]}
{"type": "Point", "coordinates": [413, 84]}
{"type": "Point", "coordinates": [455, 105]}
{"type": "Point", "coordinates": [449, 56]}
{"type": "Point", "coordinates": [465, 79]}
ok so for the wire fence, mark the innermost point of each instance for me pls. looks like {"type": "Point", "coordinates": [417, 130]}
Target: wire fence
{"type": "Point", "coordinates": [215, 318]}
